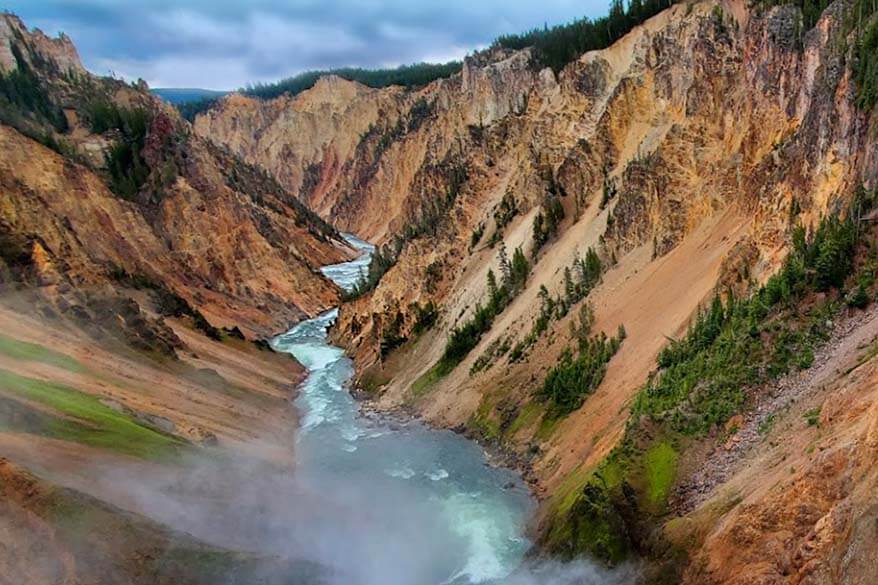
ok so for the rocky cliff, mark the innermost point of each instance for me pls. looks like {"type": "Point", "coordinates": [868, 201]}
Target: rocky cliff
{"type": "Point", "coordinates": [129, 190]}
{"type": "Point", "coordinates": [682, 156]}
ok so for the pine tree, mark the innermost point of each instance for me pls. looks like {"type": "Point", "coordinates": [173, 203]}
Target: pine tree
{"type": "Point", "coordinates": [545, 300]}
{"type": "Point", "coordinates": [569, 291]}
{"type": "Point", "coordinates": [493, 292]}
{"type": "Point", "coordinates": [539, 232]}
{"type": "Point", "coordinates": [520, 269]}
{"type": "Point", "coordinates": [505, 268]}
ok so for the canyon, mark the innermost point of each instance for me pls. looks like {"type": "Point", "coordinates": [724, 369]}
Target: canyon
{"type": "Point", "coordinates": [683, 154]}
{"type": "Point", "coordinates": [610, 214]}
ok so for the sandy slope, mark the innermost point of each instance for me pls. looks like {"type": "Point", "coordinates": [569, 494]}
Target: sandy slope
{"type": "Point", "coordinates": [247, 398]}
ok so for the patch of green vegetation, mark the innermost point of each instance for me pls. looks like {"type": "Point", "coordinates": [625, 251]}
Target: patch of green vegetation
{"type": "Point", "coordinates": [871, 353]}
{"type": "Point", "coordinates": [27, 105]}
{"type": "Point", "coordinates": [433, 275]}
{"type": "Point", "coordinates": [526, 417]}
{"type": "Point", "coordinates": [495, 349]}
{"type": "Point", "coordinates": [22, 91]}
{"type": "Point", "coordinates": [425, 316]}
{"type": "Point", "coordinates": [506, 211]}
{"type": "Point", "coordinates": [578, 283]}
{"type": "Point", "coordinates": [32, 352]}
{"type": "Point", "coordinates": [610, 190]}
{"type": "Point", "coordinates": [740, 343]}
{"type": "Point", "coordinates": [859, 21]}
{"type": "Point", "coordinates": [811, 9]}
{"type": "Point", "coordinates": [568, 490]}
{"type": "Point", "coordinates": [546, 222]}
{"type": "Point", "coordinates": [191, 109]}
{"type": "Point", "coordinates": [128, 170]}
{"type": "Point", "coordinates": [584, 496]}
{"type": "Point", "coordinates": [476, 236]}
{"type": "Point", "coordinates": [566, 496]}
{"type": "Point", "coordinates": [591, 524]}
{"type": "Point", "coordinates": [381, 261]}
{"type": "Point", "coordinates": [372, 380]}
{"type": "Point", "coordinates": [95, 424]}
{"type": "Point", "coordinates": [414, 75]}
{"type": "Point", "coordinates": [558, 45]}
{"type": "Point", "coordinates": [858, 298]}
{"type": "Point", "coordinates": [391, 333]}
{"type": "Point", "coordinates": [574, 378]}
{"type": "Point", "coordinates": [465, 337]}
{"type": "Point", "coordinates": [766, 425]}
{"type": "Point", "coordinates": [660, 466]}
{"type": "Point", "coordinates": [812, 417]}
{"type": "Point", "coordinates": [548, 424]}
{"type": "Point", "coordinates": [484, 423]}
{"type": "Point", "coordinates": [865, 64]}
{"type": "Point", "coordinates": [425, 382]}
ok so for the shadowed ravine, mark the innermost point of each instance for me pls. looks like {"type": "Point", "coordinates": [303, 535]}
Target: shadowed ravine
{"type": "Point", "coordinates": [437, 513]}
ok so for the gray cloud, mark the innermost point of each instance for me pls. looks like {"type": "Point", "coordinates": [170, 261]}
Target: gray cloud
{"type": "Point", "coordinates": [223, 44]}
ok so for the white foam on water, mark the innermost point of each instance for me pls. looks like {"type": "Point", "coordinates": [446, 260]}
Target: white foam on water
{"type": "Point", "coordinates": [347, 274]}
{"type": "Point", "coordinates": [315, 357]}
{"type": "Point", "coordinates": [485, 526]}
{"type": "Point", "coordinates": [316, 411]}
{"type": "Point", "coordinates": [437, 475]}
{"type": "Point", "coordinates": [351, 433]}
{"type": "Point", "coordinates": [400, 472]}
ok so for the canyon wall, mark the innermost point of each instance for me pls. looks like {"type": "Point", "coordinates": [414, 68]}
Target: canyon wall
{"type": "Point", "coordinates": [219, 233]}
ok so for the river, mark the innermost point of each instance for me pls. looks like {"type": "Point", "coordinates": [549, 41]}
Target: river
{"type": "Point", "coordinates": [419, 506]}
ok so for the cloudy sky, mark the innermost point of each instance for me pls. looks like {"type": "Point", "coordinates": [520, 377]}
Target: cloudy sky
{"type": "Point", "coordinates": [224, 44]}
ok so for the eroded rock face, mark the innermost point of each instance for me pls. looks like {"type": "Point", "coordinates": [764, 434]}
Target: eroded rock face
{"type": "Point", "coordinates": [800, 505]}
{"type": "Point", "coordinates": [361, 156]}
{"type": "Point", "coordinates": [60, 51]}
{"type": "Point", "coordinates": [321, 130]}
{"type": "Point", "coordinates": [698, 111]}
{"type": "Point", "coordinates": [240, 263]}
{"type": "Point", "coordinates": [219, 233]}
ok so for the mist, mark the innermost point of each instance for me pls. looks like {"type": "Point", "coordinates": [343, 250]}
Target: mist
{"type": "Point", "coordinates": [357, 534]}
